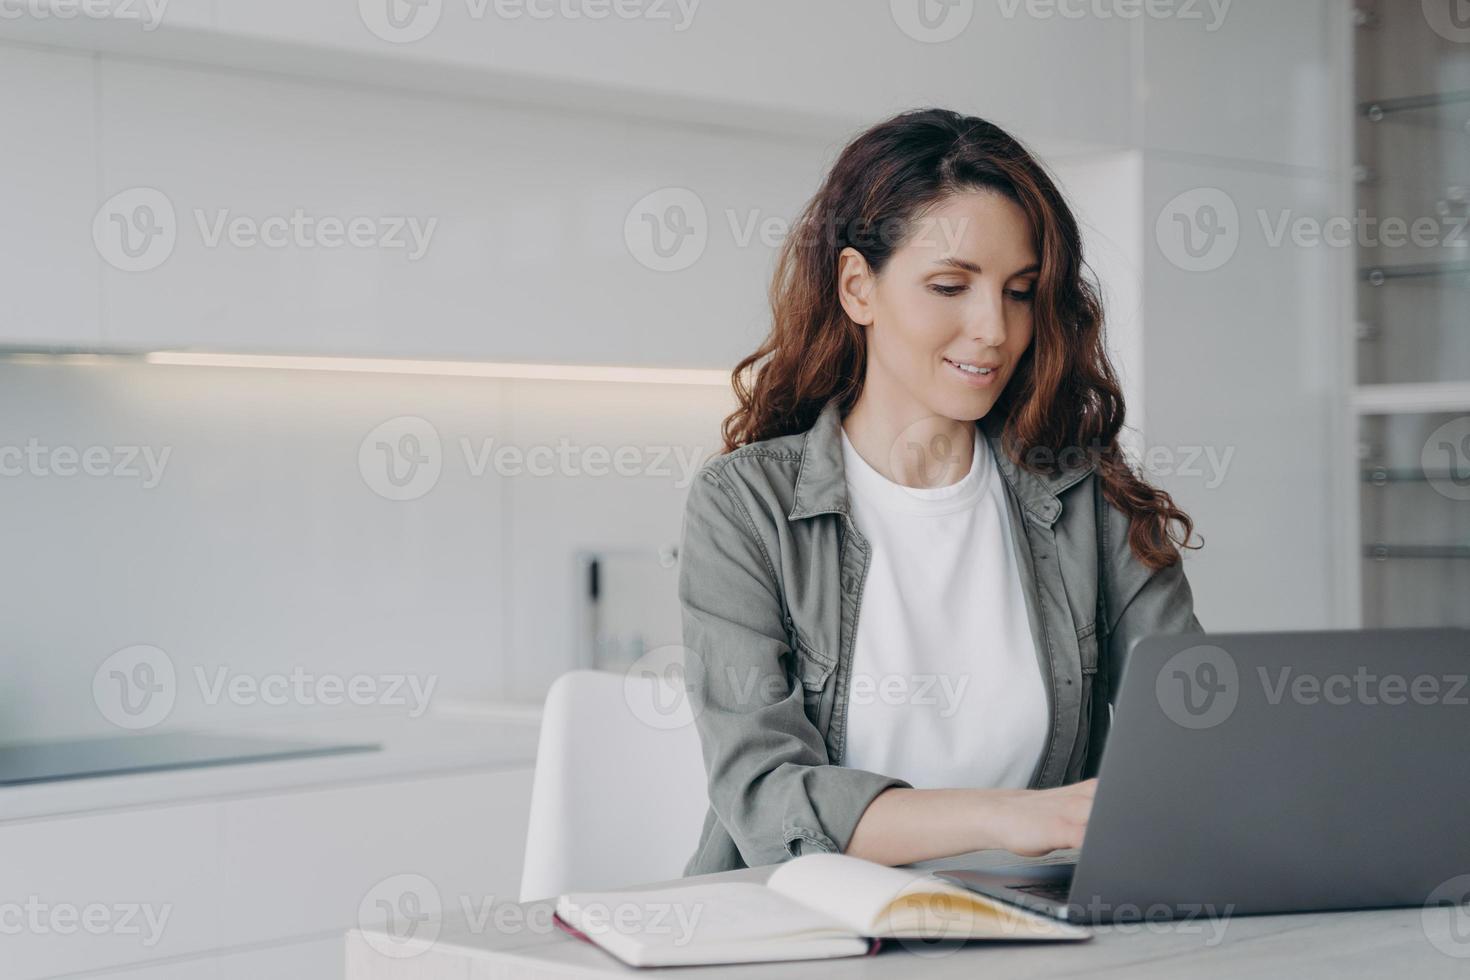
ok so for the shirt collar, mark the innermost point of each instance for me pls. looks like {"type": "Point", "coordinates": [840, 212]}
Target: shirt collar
{"type": "Point", "coordinates": [821, 484]}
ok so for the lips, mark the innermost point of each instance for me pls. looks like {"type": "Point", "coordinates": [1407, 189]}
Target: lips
{"type": "Point", "coordinates": [975, 366]}
{"type": "Point", "coordinates": [976, 374]}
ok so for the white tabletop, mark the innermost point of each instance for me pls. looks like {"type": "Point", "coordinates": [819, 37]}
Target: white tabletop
{"type": "Point", "coordinates": [520, 941]}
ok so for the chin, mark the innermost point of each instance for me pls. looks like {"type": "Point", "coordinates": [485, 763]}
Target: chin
{"type": "Point", "coordinates": [963, 409]}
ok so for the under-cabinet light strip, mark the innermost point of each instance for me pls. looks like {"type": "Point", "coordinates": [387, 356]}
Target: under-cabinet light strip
{"type": "Point", "coordinates": [464, 369]}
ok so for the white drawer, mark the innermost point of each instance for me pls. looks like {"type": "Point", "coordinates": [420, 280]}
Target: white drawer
{"type": "Point", "coordinates": [251, 870]}
{"type": "Point", "coordinates": [304, 862]}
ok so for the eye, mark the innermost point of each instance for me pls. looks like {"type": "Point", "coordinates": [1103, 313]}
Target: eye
{"type": "Point", "coordinates": [1021, 295]}
{"type": "Point", "coordinates": [944, 290]}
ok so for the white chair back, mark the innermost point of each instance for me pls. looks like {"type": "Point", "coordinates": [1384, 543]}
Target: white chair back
{"type": "Point", "coordinates": [619, 793]}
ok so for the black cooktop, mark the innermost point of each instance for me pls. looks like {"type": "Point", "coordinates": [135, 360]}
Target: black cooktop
{"type": "Point", "coordinates": [46, 762]}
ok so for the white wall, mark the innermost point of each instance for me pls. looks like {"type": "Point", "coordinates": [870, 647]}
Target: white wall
{"type": "Point", "coordinates": [1240, 357]}
{"type": "Point", "coordinates": [266, 546]}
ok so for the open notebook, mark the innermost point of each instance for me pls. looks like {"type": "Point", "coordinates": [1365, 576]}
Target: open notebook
{"type": "Point", "coordinates": [816, 906]}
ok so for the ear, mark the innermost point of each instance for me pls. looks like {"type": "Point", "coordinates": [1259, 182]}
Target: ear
{"type": "Point", "coordinates": [855, 283]}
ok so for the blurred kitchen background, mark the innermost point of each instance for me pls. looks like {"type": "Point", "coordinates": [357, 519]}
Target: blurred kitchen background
{"type": "Point", "coordinates": [357, 358]}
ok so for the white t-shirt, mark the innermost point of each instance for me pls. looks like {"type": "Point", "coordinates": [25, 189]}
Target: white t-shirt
{"type": "Point", "coordinates": [946, 689]}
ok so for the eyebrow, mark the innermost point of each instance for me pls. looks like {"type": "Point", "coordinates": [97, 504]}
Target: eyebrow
{"type": "Point", "coordinates": [968, 266]}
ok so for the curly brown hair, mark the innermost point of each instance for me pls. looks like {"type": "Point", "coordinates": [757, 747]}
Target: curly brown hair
{"type": "Point", "coordinates": [1064, 398]}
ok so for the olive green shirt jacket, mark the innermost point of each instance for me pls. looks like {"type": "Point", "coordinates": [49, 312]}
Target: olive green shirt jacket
{"type": "Point", "coordinates": [771, 572]}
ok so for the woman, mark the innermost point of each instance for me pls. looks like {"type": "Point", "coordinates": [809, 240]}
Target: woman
{"type": "Point", "coordinates": [907, 581]}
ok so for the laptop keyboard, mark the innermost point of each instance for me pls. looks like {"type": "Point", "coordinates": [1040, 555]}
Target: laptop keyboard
{"type": "Point", "coordinates": [1052, 891]}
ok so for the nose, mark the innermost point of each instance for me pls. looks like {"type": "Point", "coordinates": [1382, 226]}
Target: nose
{"type": "Point", "coordinates": [988, 320]}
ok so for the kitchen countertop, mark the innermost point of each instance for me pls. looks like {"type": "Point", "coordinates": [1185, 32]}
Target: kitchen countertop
{"type": "Point", "coordinates": [463, 737]}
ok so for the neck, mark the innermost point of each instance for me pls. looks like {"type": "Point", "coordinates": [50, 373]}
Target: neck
{"type": "Point", "coordinates": [906, 442]}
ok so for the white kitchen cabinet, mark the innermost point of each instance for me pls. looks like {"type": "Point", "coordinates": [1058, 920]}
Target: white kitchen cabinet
{"type": "Point", "coordinates": [302, 863]}
{"type": "Point", "coordinates": [256, 879]}
{"type": "Point", "coordinates": [51, 273]}
{"type": "Point", "coordinates": [134, 864]}
{"type": "Point", "coordinates": [312, 959]}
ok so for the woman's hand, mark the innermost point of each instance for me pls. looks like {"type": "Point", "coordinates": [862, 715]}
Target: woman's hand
{"type": "Point", "coordinates": [1032, 822]}
{"type": "Point", "coordinates": [903, 825]}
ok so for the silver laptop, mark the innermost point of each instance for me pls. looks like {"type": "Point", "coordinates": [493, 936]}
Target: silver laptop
{"type": "Point", "coordinates": [1250, 773]}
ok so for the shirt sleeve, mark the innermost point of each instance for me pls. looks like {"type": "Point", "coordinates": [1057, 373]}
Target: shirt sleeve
{"type": "Point", "coordinates": [769, 778]}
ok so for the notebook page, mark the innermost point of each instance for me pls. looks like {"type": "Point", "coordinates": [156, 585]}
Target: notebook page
{"type": "Point", "coordinates": [857, 893]}
{"type": "Point", "coordinates": [849, 889]}
{"type": "Point", "coordinates": [697, 915]}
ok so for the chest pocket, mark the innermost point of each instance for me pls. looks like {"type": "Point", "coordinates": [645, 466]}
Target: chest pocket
{"type": "Point", "coordinates": [1087, 648]}
{"type": "Point", "coordinates": [812, 668]}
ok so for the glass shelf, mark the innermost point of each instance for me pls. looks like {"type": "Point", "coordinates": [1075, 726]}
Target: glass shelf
{"type": "Point", "coordinates": [1377, 275]}
{"type": "Point", "coordinates": [1410, 186]}
{"type": "Point", "coordinates": [1383, 552]}
{"type": "Point", "coordinates": [1380, 476]}
{"type": "Point", "coordinates": [1378, 110]}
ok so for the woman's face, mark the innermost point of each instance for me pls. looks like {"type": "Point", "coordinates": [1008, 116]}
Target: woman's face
{"type": "Point", "coordinates": [954, 298]}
